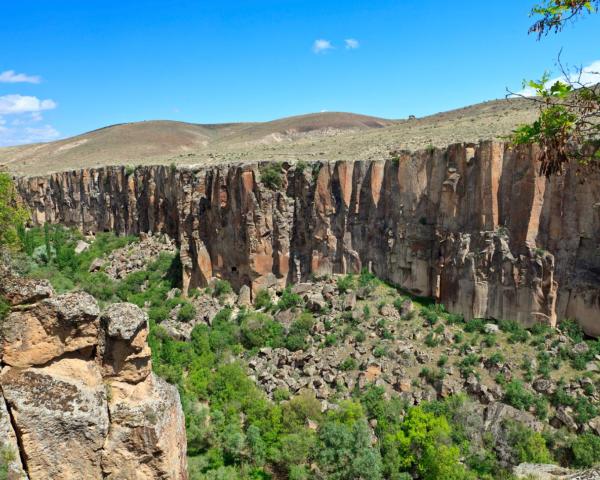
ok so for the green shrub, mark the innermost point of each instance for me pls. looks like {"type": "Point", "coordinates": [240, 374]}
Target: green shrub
{"type": "Point", "coordinates": [430, 316]}
{"type": "Point", "coordinates": [379, 351]}
{"type": "Point", "coordinates": [466, 364]}
{"type": "Point", "coordinates": [474, 325]}
{"type": "Point", "coordinates": [222, 287]}
{"type": "Point", "coordinates": [263, 300]}
{"type": "Point", "coordinates": [299, 330]}
{"type": "Point", "coordinates": [516, 395]}
{"type": "Point", "coordinates": [496, 358]}
{"type": "Point", "coordinates": [345, 283]}
{"type": "Point", "coordinates": [348, 364]}
{"type": "Point", "coordinates": [289, 299]}
{"type": "Point", "coordinates": [431, 340]}
{"type": "Point", "coordinates": [4, 308]}
{"type": "Point", "coordinates": [360, 336]}
{"type": "Point", "coordinates": [527, 446]}
{"type": "Point", "coordinates": [516, 333]}
{"type": "Point", "coordinates": [586, 450]}
{"type": "Point", "coordinates": [271, 175]}
{"type": "Point", "coordinates": [186, 313]}
{"type": "Point", "coordinates": [366, 279]}
{"type": "Point", "coordinates": [260, 330]}
{"type": "Point", "coordinates": [572, 329]}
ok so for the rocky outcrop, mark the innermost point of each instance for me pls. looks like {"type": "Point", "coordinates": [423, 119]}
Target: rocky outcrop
{"type": "Point", "coordinates": [78, 397]}
{"type": "Point", "coordinates": [475, 226]}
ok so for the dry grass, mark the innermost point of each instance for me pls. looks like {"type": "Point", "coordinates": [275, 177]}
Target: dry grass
{"type": "Point", "coordinates": [315, 137]}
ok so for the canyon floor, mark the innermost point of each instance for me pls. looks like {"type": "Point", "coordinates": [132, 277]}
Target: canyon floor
{"type": "Point", "coordinates": [327, 136]}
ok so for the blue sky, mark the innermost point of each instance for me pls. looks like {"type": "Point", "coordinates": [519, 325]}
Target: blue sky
{"type": "Point", "coordinates": [88, 64]}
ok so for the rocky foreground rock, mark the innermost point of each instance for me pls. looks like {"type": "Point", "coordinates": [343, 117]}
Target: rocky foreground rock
{"type": "Point", "coordinates": [474, 226]}
{"type": "Point", "coordinates": [78, 396]}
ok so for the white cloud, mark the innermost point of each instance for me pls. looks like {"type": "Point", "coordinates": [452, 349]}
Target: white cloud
{"type": "Point", "coordinates": [321, 46]}
{"type": "Point", "coordinates": [590, 75]}
{"type": "Point", "coordinates": [10, 76]}
{"type": "Point", "coordinates": [30, 134]}
{"type": "Point", "coordinates": [21, 120]}
{"type": "Point", "coordinates": [16, 104]}
{"type": "Point", "coordinates": [351, 44]}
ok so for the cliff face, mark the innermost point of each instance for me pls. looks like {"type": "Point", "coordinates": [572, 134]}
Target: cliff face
{"type": "Point", "coordinates": [473, 225]}
{"type": "Point", "coordinates": [78, 398]}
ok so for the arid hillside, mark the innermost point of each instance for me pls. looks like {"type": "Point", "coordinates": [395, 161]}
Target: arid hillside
{"type": "Point", "coordinates": [327, 136]}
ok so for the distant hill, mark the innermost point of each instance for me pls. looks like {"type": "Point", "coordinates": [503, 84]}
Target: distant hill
{"type": "Point", "coordinates": [317, 136]}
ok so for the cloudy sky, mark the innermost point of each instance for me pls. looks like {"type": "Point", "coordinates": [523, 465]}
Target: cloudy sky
{"type": "Point", "coordinates": [69, 66]}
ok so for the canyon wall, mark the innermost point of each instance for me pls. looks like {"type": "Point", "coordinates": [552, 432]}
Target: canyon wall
{"type": "Point", "coordinates": [78, 398]}
{"type": "Point", "coordinates": [474, 226]}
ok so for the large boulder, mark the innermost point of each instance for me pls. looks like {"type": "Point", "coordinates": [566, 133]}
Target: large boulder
{"type": "Point", "coordinates": [78, 399]}
{"type": "Point", "coordinates": [147, 432]}
{"type": "Point", "coordinates": [123, 348]}
{"type": "Point", "coordinates": [61, 417]}
{"type": "Point", "coordinates": [48, 329]}
{"type": "Point", "coordinates": [19, 291]}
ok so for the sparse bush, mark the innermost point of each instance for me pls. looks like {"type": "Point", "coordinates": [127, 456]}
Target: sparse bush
{"type": "Point", "coordinates": [431, 340]}
{"type": "Point", "coordinates": [516, 333]}
{"type": "Point", "coordinates": [367, 279]}
{"type": "Point", "coordinates": [345, 283]}
{"type": "Point", "coordinates": [289, 299]}
{"type": "Point", "coordinates": [186, 313]}
{"type": "Point", "coordinates": [263, 300]}
{"type": "Point", "coordinates": [527, 446]}
{"type": "Point", "coordinates": [516, 395]}
{"type": "Point", "coordinates": [271, 175]}
{"type": "Point", "coordinates": [586, 450]}
{"type": "Point", "coordinates": [222, 287]}
{"type": "Point", "coordinates": [349, 364]}
{"type": "Point", "coordinates": [431, 375]}
{"type": "Point", "coordinates": [360, 336]}
{"type": "Point", "coordinates": [260, 330]}
{"type": "Point", "coordinates": [466, 364]}
{"type": "Point", "coordinates": [572, 329]}
{"type": "Point", "coordinates": [474, 325]}
{"type": "Point", "coordinates": [430, 316]}
{"type": "Point", "coordinates": [4, 308]}
{"type": "Point", "coordinates": [496, 358]}
{"type": "Point", "coordinates": [379, 351]}
{"type": "Point", "coordinates": [300, 328]}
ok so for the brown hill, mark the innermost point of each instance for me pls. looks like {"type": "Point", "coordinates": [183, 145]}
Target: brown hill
{"type": "Point", "coordinates": [317, 136]}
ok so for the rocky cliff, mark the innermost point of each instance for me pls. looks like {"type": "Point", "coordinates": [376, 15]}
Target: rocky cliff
{"type": "Point", "coordinates": [473, 225]}
{"type": "Point", "coordinates": [78, 398]}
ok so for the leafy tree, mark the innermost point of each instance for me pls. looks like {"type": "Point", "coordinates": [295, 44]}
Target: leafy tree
{"type": "Point", "coordinates": [553, 15]}
{"type": "Point", "coordinates": [422, 445]}
{"type": "Point", "coordinates": [345, 452]}
{"type": "Point", "coordinates": [528, 446]}
{"type": "Point", "coordinates": [586, 450]}
{"type": "Point", "coordinates": [260, 330]}
{"type": "Point", "coordinates": [569, 109]}
{"type": "Point", "coordinates": [12, 214]}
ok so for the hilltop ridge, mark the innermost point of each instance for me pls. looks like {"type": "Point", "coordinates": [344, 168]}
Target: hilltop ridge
{"type": "Point", "coordinates": [325, 136]}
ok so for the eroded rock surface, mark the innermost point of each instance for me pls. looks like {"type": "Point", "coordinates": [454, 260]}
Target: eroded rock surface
{"type": "Point", "coordinates": [473, 225]}
{"type": "Point", "coordinates": [79, 399]}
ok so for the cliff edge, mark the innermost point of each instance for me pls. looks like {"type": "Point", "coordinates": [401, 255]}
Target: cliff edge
{"type": "Point", "coordinates": [78, 398]}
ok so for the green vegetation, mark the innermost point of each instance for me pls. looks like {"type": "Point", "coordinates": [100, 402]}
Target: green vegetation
{"type": "Point", "coordinates": [345, 283]}
{"type": "Point", "coordinates": [567, 127]}
{"type": "Point", "coordinates": [271, 174]}
{"type": "Point", "coordinates": [6, 457]}
{"type": "Point", "coordinates": [236, 432]}
{"type": "Point", "coordinates": [12, 214]}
